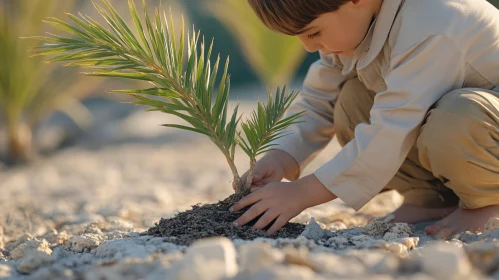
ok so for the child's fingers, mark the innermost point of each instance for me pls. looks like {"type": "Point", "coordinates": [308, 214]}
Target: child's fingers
{"type": "Point", "coordinates": [255, 188]}
{"type": "Point", "coordinates": [256, 178]}
{"type": "Point", "coordinates": [270, 179]}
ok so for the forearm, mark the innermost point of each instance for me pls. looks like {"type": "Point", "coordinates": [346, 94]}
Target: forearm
{"type": "Point", "coordinates": [321, 88]}
{"type": "Point", "coordinates": [314, 192]}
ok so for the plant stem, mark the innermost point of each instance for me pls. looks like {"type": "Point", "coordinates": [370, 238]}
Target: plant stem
{"type": "Point", "coordinates": [237, 179]}
{"type": "Point", "coordinates": [243, 188]}
{"type": "Point", "coordinates": [249, 179]}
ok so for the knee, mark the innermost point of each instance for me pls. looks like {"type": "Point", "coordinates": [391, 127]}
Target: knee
{"type": "Point", "coordinates": [456, 117]}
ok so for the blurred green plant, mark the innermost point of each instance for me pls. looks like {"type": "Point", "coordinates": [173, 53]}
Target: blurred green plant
{"type": "Point", "coordinates": [183, 83]}
{"type": "Point", "coordinates": [494, 2]}
{"type": "Point", "coordinates": [275, 58]}
{"type": "Point", "coordinates": [29, 88]}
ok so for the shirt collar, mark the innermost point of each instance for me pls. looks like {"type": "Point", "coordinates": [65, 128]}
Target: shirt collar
{"type": "Point", "coordinates": [376, 37]}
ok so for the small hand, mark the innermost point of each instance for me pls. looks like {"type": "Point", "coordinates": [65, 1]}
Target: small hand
{"type": "Point", "coordinates": [281, 200]}
{"type": "Point", "coordinates": [272, 167]}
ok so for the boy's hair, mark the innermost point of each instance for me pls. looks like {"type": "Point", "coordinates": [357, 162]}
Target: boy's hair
{"type": "Point", "coordinates": [291, 16]}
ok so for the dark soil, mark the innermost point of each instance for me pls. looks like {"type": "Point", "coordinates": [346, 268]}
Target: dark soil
{"type": "Point", "coordinates": [210, 220]}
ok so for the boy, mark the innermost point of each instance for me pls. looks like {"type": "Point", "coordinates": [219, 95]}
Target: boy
{"type": "Point", "coordinates": [410, 88]}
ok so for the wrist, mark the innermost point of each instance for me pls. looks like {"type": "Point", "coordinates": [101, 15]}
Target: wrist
{"type": "Point", "coordinates": [313, 191]}
{"type": "Point", "coordinates": [289, 166]}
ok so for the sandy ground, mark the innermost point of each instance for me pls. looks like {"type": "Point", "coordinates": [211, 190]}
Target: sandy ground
{"type": "Point", "coordinates": [78, 214]}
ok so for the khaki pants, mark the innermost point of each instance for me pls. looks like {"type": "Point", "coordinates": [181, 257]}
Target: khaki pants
{"type": "Point", "coordinates": [455, 159]}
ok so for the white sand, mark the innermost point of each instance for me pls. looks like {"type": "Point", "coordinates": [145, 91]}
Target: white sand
{"type": "Point", "coordinates": [78, 214]}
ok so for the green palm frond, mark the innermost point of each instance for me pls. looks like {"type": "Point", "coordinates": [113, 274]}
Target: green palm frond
{"type": "Point", "coordinates": [182, 84]}
{"type": "Point", "coordinates": [266, 124]}
{"type": "Point", "coordinates": [154, 56]}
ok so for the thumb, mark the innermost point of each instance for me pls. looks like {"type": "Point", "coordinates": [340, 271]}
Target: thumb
{"type": "Point", "coordinates": [256, 178]}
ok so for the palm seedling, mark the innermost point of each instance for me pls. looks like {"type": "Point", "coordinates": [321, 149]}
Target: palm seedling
{"type": "Point", "coordinates": [183, 81]}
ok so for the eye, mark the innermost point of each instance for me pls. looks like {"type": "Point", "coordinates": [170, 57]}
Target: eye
{"type": "Point", "coordinates": [311, 36]}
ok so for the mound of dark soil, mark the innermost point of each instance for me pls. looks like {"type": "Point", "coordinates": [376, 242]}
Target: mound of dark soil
{"type": "Point", "coordinates": [210, 220]}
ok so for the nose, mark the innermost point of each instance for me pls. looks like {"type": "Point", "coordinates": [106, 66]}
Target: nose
{"type": "Point", "coordinates": [311, 45]}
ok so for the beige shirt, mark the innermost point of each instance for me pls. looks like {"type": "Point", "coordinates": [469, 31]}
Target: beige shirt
{"type": "Point", "coordinates": [414, 53]}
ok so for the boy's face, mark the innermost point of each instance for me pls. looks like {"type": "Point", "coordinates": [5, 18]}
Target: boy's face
{"type": "Point", "coordinates": [341, 31]}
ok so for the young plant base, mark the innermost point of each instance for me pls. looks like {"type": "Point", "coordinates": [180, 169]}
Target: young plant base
{"type": "Point", "coordinates": [210, 220]}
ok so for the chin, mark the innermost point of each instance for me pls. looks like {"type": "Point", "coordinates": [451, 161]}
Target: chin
{"type": "Point", "coordinates": [348, 53]}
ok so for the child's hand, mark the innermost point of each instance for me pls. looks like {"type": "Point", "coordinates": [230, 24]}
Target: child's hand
{"type": "Point", "coordinates": [272, 167]}
{"type": "Point", "coordinates": [282, 201]}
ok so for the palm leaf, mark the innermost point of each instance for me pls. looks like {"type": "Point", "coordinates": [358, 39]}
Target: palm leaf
{"type": "Point", "coordinates": [267, 124]}
{"type": "Point", "coordinates": [184, 90]}
{"type": "Point", "coordinates": [154, 57]}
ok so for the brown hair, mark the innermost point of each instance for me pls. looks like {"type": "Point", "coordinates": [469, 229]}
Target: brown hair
{"type": "Point", "coordinates": [291, 16]}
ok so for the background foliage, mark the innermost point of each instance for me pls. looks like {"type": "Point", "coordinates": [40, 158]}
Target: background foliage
{"type": "Point", "coordinates": [31, 91]}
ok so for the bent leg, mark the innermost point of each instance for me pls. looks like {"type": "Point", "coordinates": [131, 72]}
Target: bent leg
{"type": "Point", "coordinates": [459, 143]}
{"type": "Point", "coordinates": [416, 184]}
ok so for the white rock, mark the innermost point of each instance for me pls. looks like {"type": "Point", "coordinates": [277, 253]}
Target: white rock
{"type": "Point", "coordinates": [337, 266]}
{"type": "Point", "coordinates": [53, 272]}
{"type": "Point", "coordinates": [445, 261]}
{"type": "Point", "coordinates": [259, 255]}
{"type": "Point", "coordinates": [82, 243]}
{"type": "Point", "coordinates": [30, 245]}
{"type": "Point", "coordinates": [484, 255]}
{"type": "Point", "coordinates": [32, 260]}
{"type": "Point", "coordinates": [379, 262]}
{"type": "Point", "coordinates": [409, 242]}
{"type": "Point", "coordinates": [56, 238]}
{"type": "Point", "coordinates": [492, 225]}
{"type": "Point", "coordinates": [5, 271]}
{"type": "Point", "coordinates": [136, 247]}
{"type": "Point", "coordinates": [362, 241]}
{"type": "Point", "coordinates": [200, 268]}
{"type": "Point", "coordinates": [214, 249]}
{"type": "Point", "coordinates": [300, 241]}
{"type": "Point", "coordinates": [390, 236]}
{"type": "Point", "coordinates": [396, 248]}
{"type": "Point", "coordinates": [313, 230]}
{"type": "Point", "coordinates": [337, 242]}
{"type": "Point", "coordinates": [292, 272]}
{"type": "Point", "coordinates": [128, 269]}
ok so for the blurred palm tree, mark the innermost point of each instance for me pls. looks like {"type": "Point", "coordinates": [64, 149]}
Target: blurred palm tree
{"type": "Point", "coordinates": [275, 58]}
{"type": "Point", "coordinates": [29, 88]}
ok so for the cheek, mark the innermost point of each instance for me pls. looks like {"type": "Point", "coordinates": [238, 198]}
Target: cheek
{"type": "Point", "coordinates": [344, 39]}
{"type": "Point", "coordinates": [339, 40]}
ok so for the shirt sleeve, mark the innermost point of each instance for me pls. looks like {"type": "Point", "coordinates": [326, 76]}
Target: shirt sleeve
{"type": "Point", "coordinates": [419, 76]}
{"type": "Point", "coordinates": [321, 87]}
